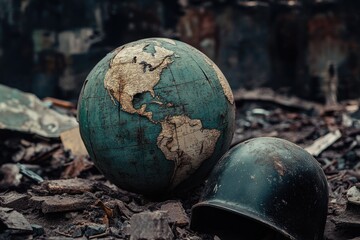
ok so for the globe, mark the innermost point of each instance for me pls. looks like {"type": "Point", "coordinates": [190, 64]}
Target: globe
{"type": "Point", "coordinates": [156, 115]}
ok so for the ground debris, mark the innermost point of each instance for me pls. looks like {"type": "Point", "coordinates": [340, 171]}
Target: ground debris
{"type": "Point", "coordinates": [70, 186]}
{"type": "Point", "coordinates": [176, 213]}
{"type": "Point", "coordinates": [14, 200]}
{"type": "Point", "coordinates": [94, 229]}
{"type": "Point", "coordinates": [37, 230]}
{"type": "Point", "coordinates": [31, 115]}
{"type": "Point", "coordinates": [14, 220]}
{"type": "Point", "coordinates": [323, 142]}
{"type": "Point", "coordinates": [61, 203]}
{"type": "Point", "coordinates": [150, 226]}
{"type": "Point", "coordinates": [72, 141]}
{"type": "Point", "coordinates": [353, 196]}
{"type": "Point", "coordinates": [29, 173]}
{"type": "Point", "coordinates": [76, 167]}
{"type": "Point", "coordinates": [80, 203]}
{"type": "Point", "coordinates": [10, 176]}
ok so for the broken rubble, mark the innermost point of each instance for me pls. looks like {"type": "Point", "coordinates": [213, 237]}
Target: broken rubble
{"type": "Point", "coordinates": [57, 203]}
{"type": "Point", "coordinates": [94, 229]}
{"type": "Point", "coordinates": [30, 174]}
{"type": "Point", "coordinates": [323, 142]}
{"type": "Point", "coordinates": [353, 195]}
{"type": "Point", "coordinates": [14, 220]}
{"type": "Point", "coordinates": [72, 141]}
{"type": "Point", "coordinates": [150, 226]}
{"type": "Point", "coordinates": [70, 186]}
{"type": "Point", "coordinates": [37, 230]}
{"type": "Point", "coordinates": [14, 200]}
{"type": "Point", "coordinates": [76, 167]}
{"type": "Point", "coordinates": [10, 176]}
{"type": "Point", "coordinates": [176, 213]}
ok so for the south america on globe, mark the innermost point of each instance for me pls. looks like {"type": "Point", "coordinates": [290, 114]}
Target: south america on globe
{"type": "Point", "coordinates": [156, 115]}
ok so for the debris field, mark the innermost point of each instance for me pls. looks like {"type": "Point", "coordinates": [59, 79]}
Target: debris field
{"type": "Point", "coordinates": [50, 189]}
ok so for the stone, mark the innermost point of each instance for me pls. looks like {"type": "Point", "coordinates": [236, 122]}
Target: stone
{"type": "Point", "coordinates": [353, 195]}
{"type": "Point", "coordinates": [150, 226]}
{"type": "Point", "coordinates": [37, 230]}
{"type": "Point", "coordinates": [11, 176]}
{"type": "Point", "coordinates": [78, 231]}
{"type": "Point", "coordinates": [57, 203]}
{"type": "Point", "coordinates": [14, 200]}
{"type": "Point", "coordinates": [181, 233]}
{"type": "Point", "coordinates": [118, 206]}
{"type": "Point", "coordinates": [176, 213]}
{"type": "Point", "coordinates": [70, 215]}
{"type": "Point", "coordinates": [94, 229]}
{"type": "Point", "coordinates": [14, 220]}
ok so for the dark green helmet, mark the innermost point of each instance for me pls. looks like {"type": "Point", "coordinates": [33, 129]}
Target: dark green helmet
{"type": "Point", "coordinates": [264, 188]}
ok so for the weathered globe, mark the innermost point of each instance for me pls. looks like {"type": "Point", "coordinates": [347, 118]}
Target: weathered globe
{"type": "Point", "coordinates": [156, 115]}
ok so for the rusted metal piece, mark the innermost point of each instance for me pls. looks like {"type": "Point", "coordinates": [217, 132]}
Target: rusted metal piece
{"type": "Point", "coordinates": [24, 112]}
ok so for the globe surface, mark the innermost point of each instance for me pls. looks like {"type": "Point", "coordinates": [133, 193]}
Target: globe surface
{"type": "Point", "coordinates": [156, 114]}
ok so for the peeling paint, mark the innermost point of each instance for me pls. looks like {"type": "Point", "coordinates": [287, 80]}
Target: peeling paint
{"type": "Point", "coordinates": [134, 71]}
{"type": "Point", "coordinates": [184, 141]}
{"type": "Point", "coordinates": [223, 82]}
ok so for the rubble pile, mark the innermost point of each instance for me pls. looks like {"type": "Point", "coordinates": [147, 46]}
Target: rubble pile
{"type": "Point", "coordinates": [50, 188]}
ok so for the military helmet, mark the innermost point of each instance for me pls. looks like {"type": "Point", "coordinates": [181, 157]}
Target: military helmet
{"type": "Point", "coordinates": [264, 188]}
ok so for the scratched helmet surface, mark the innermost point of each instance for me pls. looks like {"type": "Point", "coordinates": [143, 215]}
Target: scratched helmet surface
{"type": "Point", "coordinates": [156, 114]}
{"type": "Point", "coordinates": [264, 188]}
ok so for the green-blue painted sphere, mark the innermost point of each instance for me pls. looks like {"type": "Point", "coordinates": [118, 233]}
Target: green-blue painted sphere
{"type": "Point", "coordinates": [156, 114]}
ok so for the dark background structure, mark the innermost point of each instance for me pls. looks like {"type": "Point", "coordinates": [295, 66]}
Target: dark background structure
{"type": "Point", "coordinates": [298, 47]}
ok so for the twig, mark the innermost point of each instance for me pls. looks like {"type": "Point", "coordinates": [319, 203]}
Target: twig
{"type": "Point", "coordinates": [104, 234]}
{"type": "Point", "coordinates": [63, 234]}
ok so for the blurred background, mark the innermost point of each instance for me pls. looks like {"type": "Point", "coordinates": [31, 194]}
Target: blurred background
{"type": "Point", "coordinates": [307, 48]}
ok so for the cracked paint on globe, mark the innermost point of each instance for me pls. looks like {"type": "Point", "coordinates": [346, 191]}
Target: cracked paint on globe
{"type": "Point", "coordinates": [155, 115]}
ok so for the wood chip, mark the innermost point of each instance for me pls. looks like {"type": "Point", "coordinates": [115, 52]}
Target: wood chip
{"type": "Point", "coordinates": [71, 186]}
{"type": "Point", "coordinates": [14, 200]}
{"type": "Point", "coordinates": [323, 142]}
{"type": "Point", "coordinates": [76, 167]}
{"type": "Point", "coordinates": [52, 204]}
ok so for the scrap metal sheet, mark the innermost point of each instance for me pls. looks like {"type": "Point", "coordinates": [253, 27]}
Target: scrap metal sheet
{"type": "Point", "coordinates": [24, 112]}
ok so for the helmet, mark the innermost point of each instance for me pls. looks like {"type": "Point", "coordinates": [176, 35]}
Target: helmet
{"type": "Point", "coordinates": [264, 188]}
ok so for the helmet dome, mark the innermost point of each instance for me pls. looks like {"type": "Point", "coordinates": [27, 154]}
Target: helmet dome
{"type": "Point", "coordinates": [264, 188]}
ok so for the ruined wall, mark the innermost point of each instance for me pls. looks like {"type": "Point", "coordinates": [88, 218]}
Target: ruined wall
{"type": "Point", "coordinates": [309, 48]}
